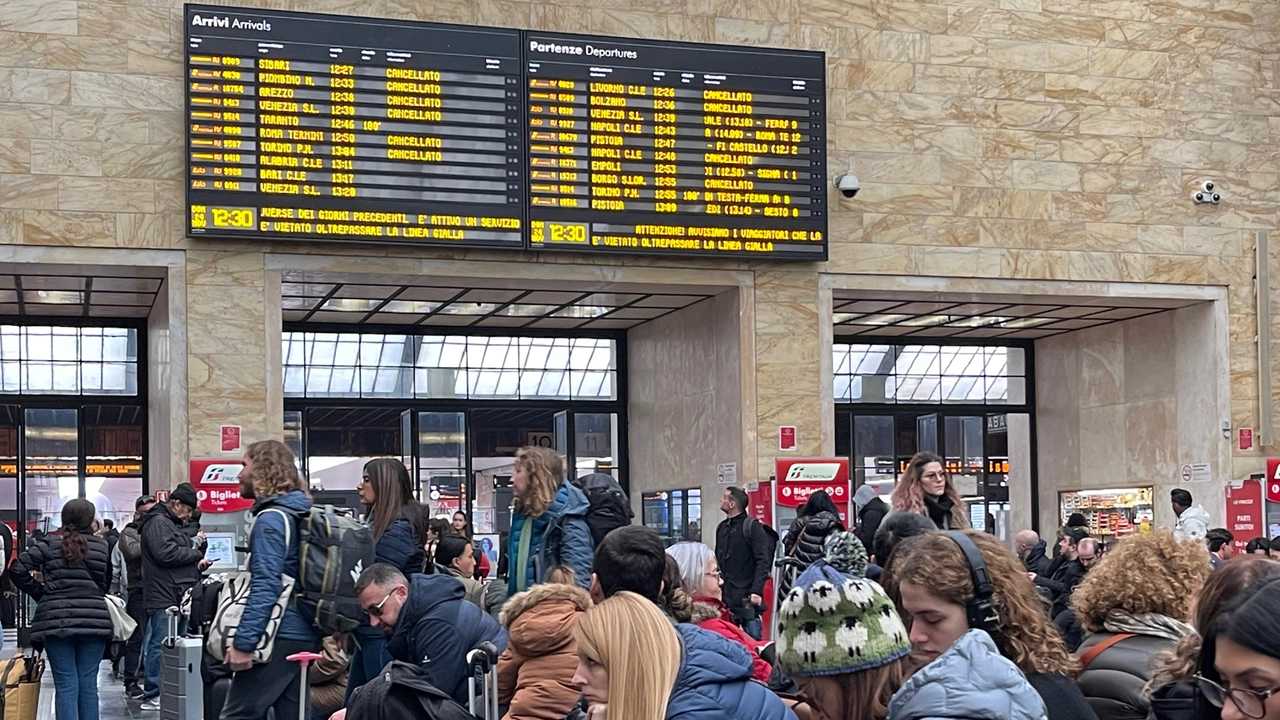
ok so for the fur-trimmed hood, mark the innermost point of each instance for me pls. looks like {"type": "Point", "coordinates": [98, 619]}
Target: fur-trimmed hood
{"type": "Point", "coordinates": [541, 619]}
{"type": "Point", "coordinates": [704, 609]}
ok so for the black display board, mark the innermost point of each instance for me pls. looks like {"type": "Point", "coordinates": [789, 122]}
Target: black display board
{"type": "Point", "coordinates": [340, 128]}
{"type": "Point", "coordinates": [323, 127]}
{"type": "Point", "coordinates": [674, 148]}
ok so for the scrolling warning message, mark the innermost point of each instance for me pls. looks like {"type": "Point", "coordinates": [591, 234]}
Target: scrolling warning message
{"type": "Point", "coordinates": [340, 128]}
{"type": "Point", "coordinates": [642, 146]}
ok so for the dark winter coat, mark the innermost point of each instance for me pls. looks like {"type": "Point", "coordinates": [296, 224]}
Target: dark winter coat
{"type": "Point", "coordinates": [714, 682]}
{"type": "Point", "coordinates": [1062, 699]}
{"type": "Point", "coordinates": [745, 563]}
{"type": "Point", "coordinates": [1178, 701]}
{"type": "Point", "coordinates": [1063, 582]}
{"type": "Point", "coordinates": [1113, 682]}
{"type": "Point", "coordinates": [70, 600]}
{"type": "Point", "coordinates": [131, 549]}
{"type": "Point", "coordinates": [1036, 561]}
{"type": "Point", "coordinates": [401, 548]}
{"type": "Point", "coordinates": [270, 559]}
{"type": "Point", "coordinates": [805, 536]}
{"type": "Point", "coordinates": [869, 518]}
{"type": "Point", "coordinates": [561, 536]}
{"type": "Point", "coordinates": [436, 629]}
{"type": "Point", "coordinates": [169, 563]}
{"type": "Point", "coordinates": [403, 692]}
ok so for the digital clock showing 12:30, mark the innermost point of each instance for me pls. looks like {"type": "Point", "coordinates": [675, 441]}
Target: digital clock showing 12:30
{"type": "Point", "coordinates": [224, 218]}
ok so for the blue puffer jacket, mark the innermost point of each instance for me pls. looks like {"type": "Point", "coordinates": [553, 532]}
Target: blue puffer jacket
{"type": "Point", "coordinates": [971, 681]}
{"type": "Point", "coordinates": [714, 682]}
{"type": "Point", "coordinates": [437, 628]}
{"type": "Point", "coordinates": [560, 537]}
{"type": "Point", "coordinates": [400, 548]}
{"type": "Point", "coordinates": [268, 562]}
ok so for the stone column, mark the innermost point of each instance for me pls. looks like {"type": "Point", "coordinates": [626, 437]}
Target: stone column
{"type": "Point", "coordinates": [792, 367]}
{"type": "Point", "coordinates": [233, 351]}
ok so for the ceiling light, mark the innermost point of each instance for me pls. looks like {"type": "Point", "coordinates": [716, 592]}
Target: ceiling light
{"type": "Point", "coordinates": [54, 297]}
{"type": "Point", "coordinates": [350, 304]}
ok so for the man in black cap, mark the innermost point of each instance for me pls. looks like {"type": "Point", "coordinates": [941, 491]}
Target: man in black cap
{"type": "Point", "coordinates": [1193, 520]}
{"type": "Point", "coordinates": [170, 566]}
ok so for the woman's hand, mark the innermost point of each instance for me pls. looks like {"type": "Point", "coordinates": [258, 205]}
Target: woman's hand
{"type": "Point", "coordinates": [597, 711]}
{"type": "Point", "coordinates": [239, 661]}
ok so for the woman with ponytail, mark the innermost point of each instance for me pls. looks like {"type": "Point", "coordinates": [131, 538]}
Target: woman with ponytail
{"type": "Point", "coordinates": [71, 621]}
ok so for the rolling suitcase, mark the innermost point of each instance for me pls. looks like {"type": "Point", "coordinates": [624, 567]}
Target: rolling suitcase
{"type": "Point", "coordinates": [482, 663]}
{"type": "Point", "coordinates": [181, 687]}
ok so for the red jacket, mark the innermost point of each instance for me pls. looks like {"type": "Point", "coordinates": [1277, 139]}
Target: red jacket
{"type": "Point", "coordinates": [711, 614]}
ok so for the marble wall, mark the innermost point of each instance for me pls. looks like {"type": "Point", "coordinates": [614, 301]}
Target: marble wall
{"type": "Point", "coordinates": [1128, 404]}
{"type": "Point", "coordinates": [995, 139]}
{"type": "Point", "coordinates": [685, 409]}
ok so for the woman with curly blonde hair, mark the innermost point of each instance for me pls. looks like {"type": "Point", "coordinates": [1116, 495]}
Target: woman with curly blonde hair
{"type": "Point", "coordinates": [931, 582]}
{"type": "Point", "coordinates": [1135, 604]}
{"type": "Point", "coordinates": [548, 522]}
{"type": "Point", "coordinates": [925, 489]}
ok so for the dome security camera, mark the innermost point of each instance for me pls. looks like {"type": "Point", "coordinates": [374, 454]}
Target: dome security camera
{"type": "Point", "coordinates": [1206, 194]}
{"type": "Point", "coordinates": [847, 184]}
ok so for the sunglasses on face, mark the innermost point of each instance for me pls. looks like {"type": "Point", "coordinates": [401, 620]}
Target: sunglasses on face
{"type": "Point", "coordinates": [376, 610]}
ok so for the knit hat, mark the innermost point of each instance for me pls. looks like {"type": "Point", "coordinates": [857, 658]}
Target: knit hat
{"type": "Point", "coordinates": [835, 624]}
{"type": "Point", "coordinates": [185, 493]}
{"type": "Point", "coordinates": [845, 552]}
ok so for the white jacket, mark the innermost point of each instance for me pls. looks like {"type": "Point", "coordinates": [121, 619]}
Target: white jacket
{"type": "Point", "coordinates": [1193, 523]}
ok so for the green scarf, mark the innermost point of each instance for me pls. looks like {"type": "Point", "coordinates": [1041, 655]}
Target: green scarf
{"type": "Point", "coordinates": [522, 554]}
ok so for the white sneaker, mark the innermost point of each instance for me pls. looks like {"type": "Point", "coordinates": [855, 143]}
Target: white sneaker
{"type": "Point", "coordinates": [152, 704]}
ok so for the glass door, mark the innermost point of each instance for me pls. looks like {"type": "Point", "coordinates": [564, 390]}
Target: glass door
{"type": "Point", "coordinates": [595, 444]}
{"type": "Point", "coordinates": [442, 467]}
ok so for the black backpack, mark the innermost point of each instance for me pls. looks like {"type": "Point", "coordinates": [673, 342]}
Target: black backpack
{"type": "Point", "coordinates": [333, 550]}
{"type": "Point", "coordinates": [402, 692]}
{"type": "Point", "coordinates": [609, 506]}
{"type": "Point", "coordinates": [749, 524]}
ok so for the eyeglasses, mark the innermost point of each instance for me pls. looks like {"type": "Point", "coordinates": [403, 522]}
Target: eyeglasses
{"type": "Point", "coordinates": [715, 574]}
{"type": "Point", "coordinates": [376, 610]}
{"type": "Point", "coordinates": [1251, 703]}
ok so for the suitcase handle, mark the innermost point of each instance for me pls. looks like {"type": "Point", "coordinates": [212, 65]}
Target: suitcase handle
{"type": "Point", "coordinates": [481, 662]}
{"type": "Point", "coordinates": [304, 688]}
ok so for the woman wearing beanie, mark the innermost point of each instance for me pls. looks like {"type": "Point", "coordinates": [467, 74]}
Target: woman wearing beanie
{"type": "Point", "coordinates": [841, 640]}
{"type": "Point", "coordinates": [700, 578]}
{"type": "Point", "coordinates": [925, 489]}
{"type": "Point", "coordinates": [1173, 688]}
{"type": "Point", "coordinates": [1134, 604]}
{"type": "Point", "coordinates": [633, 664]}
{"type": "Point", "coordinates": [930, 580]}
{"type": "Point", "coordinates": [71, 620]}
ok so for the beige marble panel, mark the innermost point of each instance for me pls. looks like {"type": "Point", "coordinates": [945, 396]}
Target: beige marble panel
{"type": "Point", "coordinates": [46, 227]}
{"type": "Point", "coordinates": [51, 16]}
{"type": "Point", "coordinates": [1102, 446]}
{"type": "Point", "coordinates": [1151, 437]}
{"type": "Point", "coordinates": [1102, 366]}
{"type": "Point", "coordinates": [1150, 356]}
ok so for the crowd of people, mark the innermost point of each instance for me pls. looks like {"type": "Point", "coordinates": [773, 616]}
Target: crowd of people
{"type": "Point", "coordinates": [898, 611]}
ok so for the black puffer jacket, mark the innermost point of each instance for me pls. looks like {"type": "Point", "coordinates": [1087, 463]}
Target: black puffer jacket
{"type": "Point", "coordinates": [804, 540]}
{"type": "Point", "coordinates": [70, 600]}
{"type": "Point", "coordinates": [1113, 681]}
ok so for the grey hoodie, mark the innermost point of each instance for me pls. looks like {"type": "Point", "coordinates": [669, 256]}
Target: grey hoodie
{"type": "Point", "coordinates": [970, 681]}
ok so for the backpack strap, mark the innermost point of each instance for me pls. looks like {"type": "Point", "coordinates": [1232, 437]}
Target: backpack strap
{"type": "Point", "coordinates": [1092, 653]}
{"type": "Point", "coordinates": [289, 520]}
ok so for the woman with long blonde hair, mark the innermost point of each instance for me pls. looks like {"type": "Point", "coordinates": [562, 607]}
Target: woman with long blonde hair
{"type": "Point", "coordinates": [926, 489]}
{"type": "Point", "coordinates": [634, 665]}
{"type": "Point", "coordinates": [931, 581]}
{"type": "Point", "coordinates": [548, 523]}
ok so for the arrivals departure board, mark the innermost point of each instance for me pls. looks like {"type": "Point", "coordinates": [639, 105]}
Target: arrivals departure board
{"type": "Point", "coordinates": [656, 147]}
{"type": "Point", "coordinates": [326, 127]}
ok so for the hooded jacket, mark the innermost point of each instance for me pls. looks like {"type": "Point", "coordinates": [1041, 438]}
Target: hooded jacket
{"type": "Point", "coordinates": [1192, 523]}
{"type": "Point", "coordinates": [561, 536]}
{"type": "Point", "coordinates": [400, 548]}
{"type": "Point", "coordinates": [970, 681]}
{"type": "Point", "coordinates": [869, 517]}
{"type": "Point", "coordinates": [714, 682]}
{"type": "Point", "coordinates": [535, 670]}
{"type": "Point", "coordinates": [436, 629]}
{"type": "Point", "coordinates": [271, 558]}
{"type": "Point", "coordinates": [70, 600]}
{"type": "Point", "coordinates": [805, 536]}
{"type": "Point", "coordinates": [169, 562]}
{"type": "Point", "coordinates": [711, 614]}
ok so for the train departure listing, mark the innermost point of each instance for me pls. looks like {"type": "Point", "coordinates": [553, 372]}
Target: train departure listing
{"type": "Point", "coordinates": [655, 147]}
{"type": "Point", "coordinates": [323, 127]}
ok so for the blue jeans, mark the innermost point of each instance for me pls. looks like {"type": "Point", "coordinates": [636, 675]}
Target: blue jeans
{"type": "Point", "coordinates": [753, 628]}
{"type": "Point", "coordinates": [156, 631]}
{"type": "Point", "coordinates": [366, 662]}
{"type": "Point", "coordinates": [74, 662]}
